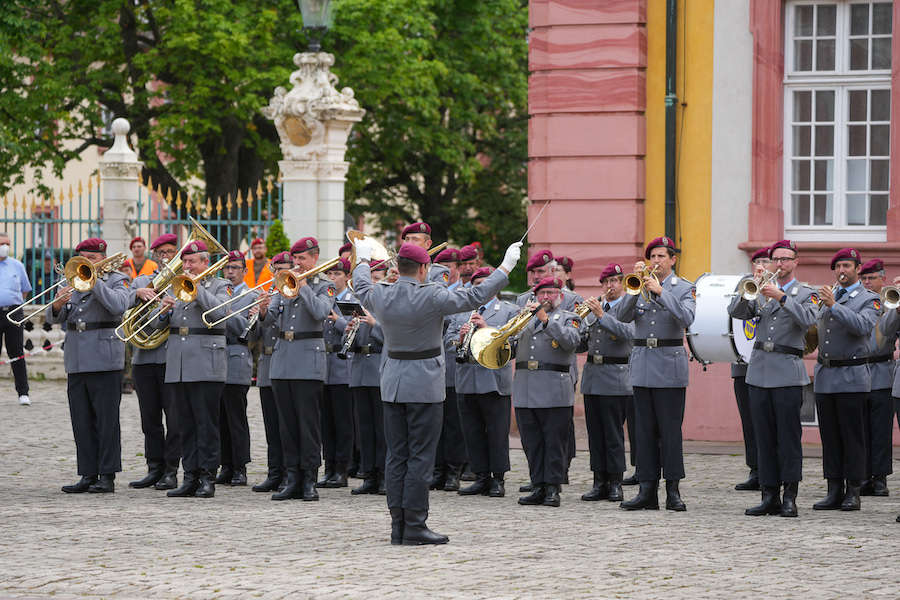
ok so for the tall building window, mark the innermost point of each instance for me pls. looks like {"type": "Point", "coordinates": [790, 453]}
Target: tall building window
{"type": "Point", "coordinates": [837, 101]}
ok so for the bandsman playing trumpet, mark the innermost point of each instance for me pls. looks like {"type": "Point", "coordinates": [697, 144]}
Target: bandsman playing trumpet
{"type": "Point", "coordinates": [94, 358]}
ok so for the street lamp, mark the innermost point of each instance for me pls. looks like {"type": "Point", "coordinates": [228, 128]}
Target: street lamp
{"type": "Point", "coordinates": [317, 18]}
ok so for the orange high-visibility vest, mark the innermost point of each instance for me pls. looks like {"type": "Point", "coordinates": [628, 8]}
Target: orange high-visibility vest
{"type": "Point", "coordinates": [264, 275]}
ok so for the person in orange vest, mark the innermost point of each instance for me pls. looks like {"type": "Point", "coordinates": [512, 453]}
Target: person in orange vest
{"type": "Point", "coordinates": [139, 264]}
{"type": "Point", "coordinates": [257, 267]}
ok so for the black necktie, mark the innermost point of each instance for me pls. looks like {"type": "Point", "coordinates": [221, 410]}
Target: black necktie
{"type": "Point", "coordinates": [606, 307]}
{"type": "Point", "coordinates": [481, 310]}
{"type": "Point", "coordinates": [840, 294]}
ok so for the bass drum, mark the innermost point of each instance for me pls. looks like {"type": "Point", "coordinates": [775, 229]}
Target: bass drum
{"type": "Point", "coordinates": [714, 336]}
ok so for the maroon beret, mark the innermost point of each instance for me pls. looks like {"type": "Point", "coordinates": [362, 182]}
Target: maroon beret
{"type": "Point", "coordinates": [566, 263]}
{"type": "Point", "coordinates": [761, 253]}
{"type": "Point", "coordinates": [237, 256]}
{"type": "Point", "coordinates": [91, 245]}
{"type": "Point", "coordinates": [258, 241]}
{"type": "Point", "coordinates": [379, 265]}
{"type": "Point", "coordinates": [348, 247]}
{"type": "Point", "coordinates": [468, 253]}
{"type": "Point", "coordinates": [845, 254]}
{"type": "Point", "coordinates": [137, 239]}
{"type": "Point", "coordinates": [782, 244]}
{"type": "Point", "coordinates": [610, 270]}
{"type": "Point", "coordinates": [482, 272]}
{"type": "Point", "coordinates": [447, 255]}
{"type": "Point", "coordinates": [872, 266]}
{"type": "Point", "coordinates": [415, 228]}
{"type": "Point", "coordinates": [539, 260]}
{"type": "Point", "coordinates": [195, 247]}
{"type": "Point", "coordinates": [660, 242]}
{"type": "Point", "coordinates": [166, 238]}
{"type": "Point", "coordinates": [281, 258]}
{"type": "Point", "coordinates": [554, 282]}
{"type": "Point", "coordinates": [304, 244]}
{"type": "Point", "coordinates": [342, 265]}
{"type": "Point", "coordinates": [414, 253]}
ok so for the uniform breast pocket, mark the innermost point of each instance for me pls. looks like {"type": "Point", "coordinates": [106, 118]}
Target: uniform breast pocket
{"type": "Point", "coordinates": [216, 356]}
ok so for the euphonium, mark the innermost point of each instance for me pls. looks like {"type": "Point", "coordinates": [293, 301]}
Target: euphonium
{"type": "Point", "coordinates": [490, 346]}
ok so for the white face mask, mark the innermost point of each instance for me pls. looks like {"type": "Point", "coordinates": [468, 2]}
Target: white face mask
{"type": "Point", "coordinates": [4, 250]}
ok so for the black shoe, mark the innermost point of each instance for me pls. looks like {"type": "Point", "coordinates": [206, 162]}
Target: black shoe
{"type": "Point", "coordinates": [481, 486]}
{"type": "Point", "coordinates": [369, 486]}
{"type": "Point", "coordinates": [615, 488]}
{"type": "Point", "coordinates": [789, 503]}
{"type": "Point", "coordinates": [867, 488]}
{"type": "Point", "coordinates": [309, 492]}
{"type": "Point", "coordinates": [498, 487]}
{"type": "Point", "coordinates": [155, 472]}
{"type": "Point", "coordinates": [397, 526]}
{"type": "Point", "coordinates": [328, 473]}
{"type": "Point", "coordinates": [851, 496]}
{"type": "Point", "coordinates": [206, 486]}
{"type": "Point", "coordinates": [528, 487]}
{"type": "Point", "coordinates": [292, 486]}
{"type": "Point", "coordinates": [188, 487]}
{"type": "Point", "coordinates": [879, 486]}
{"type": "Point", "coordinates": [416, 532]}
{"type": "Point", "coordinates": [468, 475]}
{"type": "Point", "coordinates": [105, 485]}
{"type": "Point", "coordinates": [353, 472]}
{"type": "Point", "coordinates": [551, 495]}
{"type": "Point", "coordinates": [437, 480]}
{"type": "Point", "coordinates": [82, 486]}
{"type": "Point", "coordinates": [646, 498]}
{"type": "Point", "coordinates": [169, 480]}
{"type": "Point", "coordinates": [631, 480]}
{"type": "Point", "coordinates": [834, 497]}
{"type": "Point", "coordinates": [770, 505]}
{"type": "Point", "coordinates": [239, 477]}
{"type": "Point", "coordinates": [225, 475]}
{"type": "Point", "coordinates": [536, 496]}
{"type": "Point", "coordinates": [451, 483]}
{"type": "Point", "coordinates": [338, 479]}
{"type": "Point", "coordinates": [600, 490]}
{"type": "Point", "coordinates": [673, 496]}
{"type": "Point", "coordinates": [270, 483]}
{"type": "Point", "coordinates": [382, 490]}
{"type": "Point", "coordinates": [751, 484]}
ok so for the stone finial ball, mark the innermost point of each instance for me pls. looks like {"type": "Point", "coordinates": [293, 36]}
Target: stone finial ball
{"type": "Point", "coordinates": [120, 126]}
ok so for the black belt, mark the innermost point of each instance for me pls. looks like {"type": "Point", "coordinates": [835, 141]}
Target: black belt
{"type": "Point", "coordinates": [82, 326]}
{"type": "Point", "coordinates": [534, 365]}
{"type": "Point", "coordinates": [268, 350]}
{"type": "Point", "coordinates": [880, 359]}
{"type": "Point", "coordinates": [845, 362]}
{"type": "Point", "coordinates": [656, 342]}
{"type": "Point", "coordinates": [233, 341]}
{"type": "Point", "coordinates": [367, 349]}
{"type": "Point", "coordinates": [773, 347]}
{"type": "Point", "coordinates": [195, 331]}
{"type": "Point", "coordinates": [599, 359]}
{"type": "Point", "coordinates": [432, 353]}
{"type": "Point", "coordinates": [331, 347]}
{"type": "Point", "coordinates": [300, 335]}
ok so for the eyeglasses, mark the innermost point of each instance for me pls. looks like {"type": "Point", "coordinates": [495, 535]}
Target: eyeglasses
{"type": "Point", "coordinates": [782, 259]}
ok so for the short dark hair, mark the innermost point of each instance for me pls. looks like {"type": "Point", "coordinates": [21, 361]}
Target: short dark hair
{"type": "Point", "coordinates": [407, 266]}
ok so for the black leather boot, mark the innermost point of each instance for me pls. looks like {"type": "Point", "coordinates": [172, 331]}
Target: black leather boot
{"type": "Point", "coordinates": [369, 485]}
{"type": "Point", "coordinates": [528, 487]}
{"type": "Point", "coordinates": [206, 485]}
{"type": "Point", "coordinates": [536, 496]}
{"type": "Point", "coordinates": [879, 486]}
{"type": "Point", "coordinates": [631, 480]}
{"type": "Point", "coordinates": [169, 480]}
{"type": "Point", "coordinates": [270, 483]}
{"type": "Point", "coordinates": [188, 487]}
{"type": "Point", "coordinates": [437, 479]}
{"type": "Point", "coordinates": [789, 503]}
{"type": "Point", "coordinates": [481, 485]}
{"type": "Point", "coordinates": [551, 495]}
{"type": "Point", "coordinates": [467, 473]}
{"type": "Point", "coordinates": [240, 476]}
{"type": "Point", "coordinates": [292, 486]}
{"type": "Point", "coordinates": [834, 497]}
{"type": "Point", "coordinates": [155, 470]}
{"type": "Point", "coordinates": [498, 486]}
{"type": "Point", "coordinates": [673, 496]}
{"type": "Point", "coordinates": [646, 498]}
{"type": "Point", "coordinates": [105, 485]}
{"type": "Point", "coordinates": [751, 484]}
{"type": "Point", "coordinates": [309, 493]}
{"type": "Point", "coordinates": [600, 490]}
{"type": "Point", "coordinates": [451, 483]}
{"type": "Point", "coordinates": [416, 532]}
{"type": "Point", "coordinates": [851, 496]}
{"type": "Point", "coordinates": [329, 471]}
{"type": "Point", "coordinates": [867, 487]}
{"type": "Point", "coordinates": [770, 505]}
{"type": "Point", "coordinates": [615, 487]}
{"type": "Point", "coordinates": [379, 477]}
{"type": "Point", "coordinates": [82, 486]}
{"type": "Point", "coordinates": [338, 477]}
{"type": "Point", "coordinates": [396, 526]}
{"type": "Point", "coordinates": [225, 475]}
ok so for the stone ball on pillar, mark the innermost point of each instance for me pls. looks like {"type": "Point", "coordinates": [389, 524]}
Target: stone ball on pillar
{"type": "Point", "coordinates": [121, 126]}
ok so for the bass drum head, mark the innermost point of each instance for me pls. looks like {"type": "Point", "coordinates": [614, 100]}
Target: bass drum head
{"type": "Point", "coordinates": [744, 336]}
{"type": "Point", "coordinates": [710, 336]}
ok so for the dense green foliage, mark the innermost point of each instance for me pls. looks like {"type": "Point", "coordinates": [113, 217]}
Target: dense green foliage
{"type": "Point", "coordinates": [277, 241]}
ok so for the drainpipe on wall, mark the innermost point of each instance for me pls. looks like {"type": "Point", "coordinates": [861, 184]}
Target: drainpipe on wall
{"type": "Point", "coordinates": [671, 103]}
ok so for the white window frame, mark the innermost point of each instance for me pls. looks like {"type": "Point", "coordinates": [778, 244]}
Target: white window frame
{"type": "Point", "coordinates": [842, 81]}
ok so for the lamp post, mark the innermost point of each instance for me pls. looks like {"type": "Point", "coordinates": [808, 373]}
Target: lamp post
{"type": "Point", "coordinates": [317, 18]}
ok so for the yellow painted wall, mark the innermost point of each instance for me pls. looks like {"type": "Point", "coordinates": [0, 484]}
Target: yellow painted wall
{"type": "Point", "coordinates": [693, 131]}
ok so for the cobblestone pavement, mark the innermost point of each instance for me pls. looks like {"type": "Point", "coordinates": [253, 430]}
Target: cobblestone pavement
{"type": "Point", "coordinates": [139, 544]}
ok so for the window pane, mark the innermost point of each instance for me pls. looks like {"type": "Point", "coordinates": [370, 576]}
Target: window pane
{"type": "Point", "coordinates": [881, 18]}
{"type": "Point", "coordinates": [824, 140]}
{"type": "Point", "coordinates": [800, 179]}
{"type": "Point", "coordinates": [881, 105]}
{"type": "Point", "coordinates": [881, 175]}
{"type": "Point", "coordinates": [858, 101]}
{"type": "Point", "coordinates": [859, 19]}
{"type": "Point", "coordinates": [825, 54]}
{"type": "Point", "coordinates": [878, 210]}
{"type": "Point", "coordinates": [880, 140]}
{"type": "Point", "coordinates": [825, 20]}
{"type": "Point", "coordinates": [822, 210]}
{"type": "Point", "coordinates": [856, 209]}
{"type": "Point", "coordinates": [857, 140]}
{"type": "Point", "coordinates": [801, 140]}
{"type": "Point", "coordinates": [803, 55]}
{"type": "Point", "coordinates": [802, 107]}
{"type": "Point", "coordinates": [823, 174]}
{"type": "Point", "coordinates": [800, 209]}
{"type": "Point", "coordinates": [803, 22]}
{"type": "Point", "coordinates": [856, 175]}
{"type": "Point", "coordinates": [881, 53]}
{"type": "Point", "coordinates": [824, 106]}
{"type": "Point", "coordinates": [859, 53]}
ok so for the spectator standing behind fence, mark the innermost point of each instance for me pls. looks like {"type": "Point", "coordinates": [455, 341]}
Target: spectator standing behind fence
{"type": "Point", "coordinates": [14, 287]}
{"type": "Point", "coordinates": [139, 264]}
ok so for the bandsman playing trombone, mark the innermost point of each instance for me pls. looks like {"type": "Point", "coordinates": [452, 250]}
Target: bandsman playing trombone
{"type": "Point", "coordinates": [94, 357]}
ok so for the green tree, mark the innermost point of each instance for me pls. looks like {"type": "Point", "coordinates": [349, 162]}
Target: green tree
{"type": "Point", "coordinates": [277, 241]}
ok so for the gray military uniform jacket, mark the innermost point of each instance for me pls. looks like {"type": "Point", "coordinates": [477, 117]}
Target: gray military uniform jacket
{"type": "Point", "coordinates": [552, 343]}
{"type": "Point", "coordinates": [240, 363]}
{"type": "Point", "coordinates": [738, 369]}
{"type": "Point", "coordinates": [365, 362]}
{"type": "Point", "coordinates": [889, 325]}
{"type": "Point", "coordinates": [438, 273]}
{"type": "Point", "coordinates": [844, 333]}
{"type": "Point", "coordinates": [778, 325]}
{"type": "Point", "coordinates": [338, 370]}
{"type": "Point", "coordinates": [93, 350]}
{"type": "Point", "coordinates": [153, 356]}
{"type": "Point", "coordinates": [664, 317]}
{"type": "Point", "coordinates": [471, 377]}
{"type": "Point", "coordinates": [197, 357]}
{"type": "Point", "coordinates": [267, 335]}
{"type": "Point", "coordinates": [412, 318]}
{"type": "Point", "coordinates": [882, 372]}
{"type": "Point", "coordinates": [606, 337]}
{"type": "Point", "coordinates": [301, 358]}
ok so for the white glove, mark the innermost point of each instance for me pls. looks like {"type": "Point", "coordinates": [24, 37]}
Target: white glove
{"type": "Point", "coordinates": [363, 249]}
{"type": "Point", "coordinates": [513, 253]}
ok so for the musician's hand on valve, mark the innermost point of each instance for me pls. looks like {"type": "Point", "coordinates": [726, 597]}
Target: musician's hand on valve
{"type": "Point", "coordinates": [145, 294]}
{"type": "Point", "coordinates": [771, 291]}
{"type": "Point", "coordinates": [62, 297]}
{"type": "Point", "coordinates": [826, 296]}
{"type": "Point", "coordinates": [639, 266]}
{"type": "Point", "coordinates": [652, 285]}
{"type": "Point", "coordinates": [595, 306]}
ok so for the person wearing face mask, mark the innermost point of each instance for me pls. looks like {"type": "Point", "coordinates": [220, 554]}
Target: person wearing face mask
{"type": "Point", "coordinates": [14, 288]}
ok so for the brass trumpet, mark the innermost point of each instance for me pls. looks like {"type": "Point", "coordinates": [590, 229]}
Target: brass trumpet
{"type": "Point", "coordinates": [634, 282]}
{"type": "Point", "coordinates": [890, 297]}
{"type": "Point", "coordinates": [749, 288]}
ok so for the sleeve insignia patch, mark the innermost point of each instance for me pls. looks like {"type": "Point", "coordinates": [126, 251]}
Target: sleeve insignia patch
{"type": "Point", "coordinates": [877, 305]}
{"type": "Point", "coordinates": [446, 277]}
{"type": "Point", "coordinates": [331, 291]}
{"type": "Point", "coordinates": [814, 298]}
{"type": "Point", "coordinates": [230, 290]}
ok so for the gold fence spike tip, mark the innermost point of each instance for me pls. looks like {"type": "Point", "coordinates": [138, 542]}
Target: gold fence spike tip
{"type": "Point", "coordinates": [208, 206]}
{"type": "Point", "coordinates": [149, 182]}
{"type": "Point", "coordinates": [71, 194]}
{"type": "Point", "coordinates": [269, 186]}
{"type": "Point", "coordinates": [169, 196]}
{"type": "Point", "coordinates": [240, 200]}
{"type": "Point", "coordinates": [178, 200]}
{"type": "Point", "coordinates": [5, 201]}
{"type": "Point", "coordinates": [228, 203]}
{"type": "Point", "coordinates": [90, 185]}
{"type": "Point", "coordinates": [189, 206]}
{"type": "Point", "coordinates": [80, 187]}
{"type": "Point", "coordinates": [259, 188]}
{"type": "Point", "coordinates": [219, 205]}
{"type": "Point", "coordinates": [250, 195]}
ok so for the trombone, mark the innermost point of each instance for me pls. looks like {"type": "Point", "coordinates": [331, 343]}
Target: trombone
{"type": "Point", "coordinates": [749, 288]}
{"type": "Point", "coordinates": [79, 273]}
{"type": "Point", "coordinates": [241, 295]}
{"type": "Point", "coordinates": [890, 297]}
{"type": "Point", "coordinates": [286, 283]}
{"type": "Point", "coordinates": [634, 282]}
